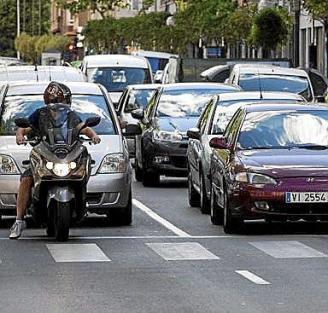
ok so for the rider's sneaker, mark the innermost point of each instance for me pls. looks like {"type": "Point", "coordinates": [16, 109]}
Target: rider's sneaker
{"type": "Point", "coordinates": [17, 229]}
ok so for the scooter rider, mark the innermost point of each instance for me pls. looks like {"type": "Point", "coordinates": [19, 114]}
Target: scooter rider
{"type": "Point", "coordinates": [55, 93]}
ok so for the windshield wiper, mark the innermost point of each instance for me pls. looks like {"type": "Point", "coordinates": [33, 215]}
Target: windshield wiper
{"type": "Point", "coordinates": [264, 148]}
{"type": "Point", "coordinates": [310, 146]}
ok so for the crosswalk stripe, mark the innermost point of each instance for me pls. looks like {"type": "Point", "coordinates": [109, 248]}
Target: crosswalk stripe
{"type": "Point", "coordinates": [252, 277]}
{"type": "Point", "coordinates": [182, 251]}
{"type": "Point", "coordinates": [287, 249]}
{"type": "Point", "coordinates": [89, 252]}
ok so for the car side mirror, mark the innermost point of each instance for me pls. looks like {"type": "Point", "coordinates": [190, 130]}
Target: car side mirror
{"type": "Point", "coordinates": [138, 114]}
{"type": "Point", "coordinates": [320, 99]}
{"type": "Point", "coordinates": [92, 121]}
{"type": "Point", "coordinates": [193, 133]}
{"type": "Point", "coordinates": [22, 122]}
{"type": "Point", "coordinates": [132, 130]}
{"type": "Point", "coordinates": [219, 143]}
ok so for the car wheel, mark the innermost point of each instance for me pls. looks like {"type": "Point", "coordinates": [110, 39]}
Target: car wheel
{"type": "Point", "coordinates": [138, 172]}
{"type": "Point", "coordinates": [193, 195]}
{"type": "Point", "coordinates": [231, 224]}
{"type": "Point", "coordinates": [121, 216]}
{"type": "Point", "coordinates": [204, 202]}
{"type": "Point", "coordinates": [150, 179]}
{"type": "Point", "coordinates": [216, 210]}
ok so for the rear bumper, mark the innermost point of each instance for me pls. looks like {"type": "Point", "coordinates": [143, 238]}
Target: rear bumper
{"type": "Point", "coordinates": [104, 192]}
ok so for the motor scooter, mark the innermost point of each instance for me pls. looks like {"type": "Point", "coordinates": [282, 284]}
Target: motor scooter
{"type": "Point", "coordinates": [61, 167]}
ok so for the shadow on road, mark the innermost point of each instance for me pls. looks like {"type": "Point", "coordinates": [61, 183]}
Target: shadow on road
{"type": "Point", "coordinates": [287, 228]}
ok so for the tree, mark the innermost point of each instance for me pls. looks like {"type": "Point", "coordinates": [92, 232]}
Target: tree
{"type": "Point", "coordinates": [31, 47]}
{"type": "Point", "coordinates": [100, 6]}
{"type": "Point", "coordinates": [269, 29]}
{"type": "Point", "coordinates": [30, 22]}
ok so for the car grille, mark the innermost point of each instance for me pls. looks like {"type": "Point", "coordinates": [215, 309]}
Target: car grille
{"type": "Point", "coordinates": [299, 209]}
{"type": "Point", "coordinates": [94, 198]}
{"type": "Point", "coordinates": [179, 161]}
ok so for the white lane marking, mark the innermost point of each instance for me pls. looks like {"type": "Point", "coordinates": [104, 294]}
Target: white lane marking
{"type": "Point", "coordinates": [160, 219]}
{"type": "Point", "coordinates": [252, 277]}
{"type": "Point", "coordinates": [123, 237]}
{"type": "Point", "coordinates": [182, 251]}
{"type": "Point", "coordinates": [287, 249]}
{"type": "Point", "coordinates": [77, 253]}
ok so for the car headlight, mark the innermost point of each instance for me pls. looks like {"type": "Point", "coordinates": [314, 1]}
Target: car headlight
{"type": "Point", "coordinates": [167, 136]}
{"type": "Point", "coordinates": [8, 165]}
{"type": "Point", "coordinates": [113, 163]}
{"type": "Point", "coordinates": [255, 179]}
{"type": "Point", "coordinates": [60, 169]}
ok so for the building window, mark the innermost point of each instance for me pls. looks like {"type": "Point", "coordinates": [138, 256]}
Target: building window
{"type": "Point", "coordinates": [135, 5]}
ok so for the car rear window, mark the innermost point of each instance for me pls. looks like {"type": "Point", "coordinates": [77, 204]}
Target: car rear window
{"type": "Point", "coordinates": [117, 78]}
{"type": "Point", "coordinates": [84, 105]}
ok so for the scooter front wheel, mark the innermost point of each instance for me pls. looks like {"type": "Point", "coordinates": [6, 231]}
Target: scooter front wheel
{"type": "Point", "coordinates": [62, 220]}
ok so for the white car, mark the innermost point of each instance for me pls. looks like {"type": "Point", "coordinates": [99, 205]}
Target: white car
{"type": "Point", "coordinates": [116, 71]}
{"type": "Point", "coordinates": [109, 187]}
{"type": "Point", "coordinates": [263, 77]}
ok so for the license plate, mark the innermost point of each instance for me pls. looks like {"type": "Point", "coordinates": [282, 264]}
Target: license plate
{"type": "Point", "coordinates": [306, 197]}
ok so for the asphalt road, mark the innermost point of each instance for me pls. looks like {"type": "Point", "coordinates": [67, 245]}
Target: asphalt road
{"type": "Point", "coordinates": [170, 260]}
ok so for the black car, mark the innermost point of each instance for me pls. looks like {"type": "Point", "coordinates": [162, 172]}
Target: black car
{"type": "Point", "coordinates": [173, 109]}
{"type": "Point", "coordinates": [212, 122]}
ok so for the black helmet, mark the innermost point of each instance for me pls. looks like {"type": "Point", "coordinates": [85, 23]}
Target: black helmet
{"type": "Point", "coordinates": [57, 93]}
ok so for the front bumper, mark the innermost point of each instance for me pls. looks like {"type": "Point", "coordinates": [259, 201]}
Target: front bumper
{"type": "Point", "coordinates": [253, 202]}
{"type": "Point", "coordinates": [167, 158]}
{"type": "Point", "coordinates": [104, 192]}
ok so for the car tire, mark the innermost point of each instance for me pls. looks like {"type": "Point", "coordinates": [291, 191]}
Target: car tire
{"type": "Point", "coordinates": [150, 179]}
{"type": "Point", "coordinates": [216, 210]}
{"type": "Point", "coordinates": [231, 224]}
{"type": "Point", "coordinates": [204, 201]}
{"type": "Point", "coordinates": [121, 216]}
{"type": "Point", "coordinates": [138, 172]}
{"type": "Point", "coordinates": [193, 195]}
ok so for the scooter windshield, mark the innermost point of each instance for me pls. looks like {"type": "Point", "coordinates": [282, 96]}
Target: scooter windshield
{"type": "Point", "coordinates": [60, 133]}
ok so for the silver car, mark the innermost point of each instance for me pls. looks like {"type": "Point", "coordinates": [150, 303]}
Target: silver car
{"type": "Point", "coordinates": [109, 188]}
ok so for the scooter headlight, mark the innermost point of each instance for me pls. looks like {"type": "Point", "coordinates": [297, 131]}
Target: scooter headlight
{"type": "Point", "coordinates": [61, 169]}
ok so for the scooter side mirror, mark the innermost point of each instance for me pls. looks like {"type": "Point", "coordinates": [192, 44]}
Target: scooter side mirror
{"type": "Point", "coordinates": [22, 122]}
{"type": "Point", "coordinates": [92, 121]}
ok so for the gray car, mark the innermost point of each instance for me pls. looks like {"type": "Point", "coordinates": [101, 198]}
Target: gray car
{"type": "Point", "coordinates": [109, 187]}
{"type": "Point", "coordinates": [212, 122]}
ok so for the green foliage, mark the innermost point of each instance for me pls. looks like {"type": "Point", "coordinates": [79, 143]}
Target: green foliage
{"type": "Point", "coordinates": [269, 29]}
{"type": "Point", "coordinates": [30, 22]}
{"type": "Point", "coordinates": [100, 6]}
{"type": "Point", "coordinates": [319, 10]}
{"type": "Point", "coordinates": [31, 47]}
{"type": "Point", "coordinates": [239, 24]}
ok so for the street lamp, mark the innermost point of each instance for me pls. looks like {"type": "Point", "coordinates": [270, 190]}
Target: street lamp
{"type": "Point", "coordinates": [18, 24]}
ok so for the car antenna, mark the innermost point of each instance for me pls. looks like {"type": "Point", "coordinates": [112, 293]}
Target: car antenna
{"type": "Point", "coordinates": [37, 72]}
{"type": "Point", "coordinates": [260, 84]}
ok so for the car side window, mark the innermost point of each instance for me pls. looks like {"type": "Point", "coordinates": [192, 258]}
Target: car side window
{"type": "Point", "coordinates": [204, 117]}
{"type": "Point", "coordinates": [222, 76]}
{"type": "Point", "coordinates": [233, 126]}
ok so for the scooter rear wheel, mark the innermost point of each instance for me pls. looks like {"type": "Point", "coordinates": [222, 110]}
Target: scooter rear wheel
{"type": "Point", "coordinates": [62, 221]}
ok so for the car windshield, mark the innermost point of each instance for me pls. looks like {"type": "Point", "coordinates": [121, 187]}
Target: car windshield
{"type": "Point", "coordinates": [184, 103]}
{"type": "Point", "coordinates": [84, 105]}
{"type": "Point", "coordinates": [267, 82]}
{"type": "Point", "coordinates": [138, 99]}
{"type": "Point", "coordinates": [284, 130]}
{"type": "Point", "coordinates": [117, 78]}
{"type": "Point", "coordinates": [226, 109]}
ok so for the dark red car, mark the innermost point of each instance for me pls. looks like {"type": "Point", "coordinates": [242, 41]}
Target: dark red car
{"type": "Point", "coordinates": [272, 163]}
